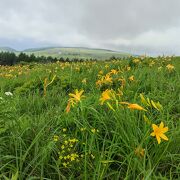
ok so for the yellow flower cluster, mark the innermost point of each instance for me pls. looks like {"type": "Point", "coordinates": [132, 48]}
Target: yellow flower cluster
{"type": "Point", "coordinates": [13, 71]}
{"type": "Point", "coordinates": [150, 103]}
{"type": "Point", "coordinates": [136, 61]}
{"type": "Point", "coordinates": [170, 67]}
{"type": "Point", "coordinates": [94, 131]}
{"type": "Point", "coordinates": [106, 79]}
{"type": "Point", "coordinates": [74, 98]}
{"type": "Point", "coordinates": [158, 131]}
{"type": "Point", "coordinates": [67, 153]}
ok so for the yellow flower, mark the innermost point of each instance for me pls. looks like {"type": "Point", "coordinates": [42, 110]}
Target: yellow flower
{"type": "Point", "coordinates": [107, 79]}
{"type": "Point", "coordinates": [101, 72]}
{"type": "Point", "coordinates": [106, 95]}
{"type": "Point", "coordinates": [131, 78]}
{"type": "Point", "coordinates": [73, 140]}
{"type": "Point", "coordinates": [56, 138]}
{"type": "Point", "coordinates": [151, 63]}
{"type": "Point", "coordinates": [62, 147]}
{"type": "Point", "coordinates": [82, 129]}
{"type": "Point", "coordinates": [76, 96]}
{"type": "Point", "coordinates": [113, 71]}
{"type": "Point", "coordinates": [99, 82]}
{"type": "Point", "coordinates": [64, 129]}
{"type": "Point", "coordinates": [136, 107]}
{"type": "Point", "coordinates": [74, 156]}
{"type": "Point", "coordinates": [92, 156]}
{"type": "Point", "coordinates": [65, 164]}
{"type": "Point", "coordinates": [139, 152]}
{"type": "Point", "coordinates": [60, 157]}
{"type": "Point", "coordinates": [94, 131]}
{"type": "Point", "coordinates": [128, 68]}
{"type": "Point", "coordinates": [84, 81]}
{"type": "Point", "coordinates": [68, 107]}
{"type": "Point", "coordinates": [136, 61]}
{"type": "Point", "coordinates": [159, 132]}
{"type": "Point", "coordinates": [170, 67]}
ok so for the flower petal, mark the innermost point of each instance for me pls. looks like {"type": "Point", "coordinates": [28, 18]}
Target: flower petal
{"type": "Point", "coordinates": [152, 134]}
{"type": "Point", "coordinates": [154, 126]}
{"type": "Point", "coordinates": [72, 95]}
{"type": "Point", "coordinates": [161, 125]}
{"type": "Point", "coordinates": [164, 137]}
{"type": "Point", "coordinates": [164, 130]}
{"type": "Point", "coordinates": [158, 139]}
{"type": "Point", "coordinates": [80, 93]}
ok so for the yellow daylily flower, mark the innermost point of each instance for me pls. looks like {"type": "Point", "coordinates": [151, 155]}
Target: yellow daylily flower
{"type": "Point", "coordinates": [170, 67]}
{"type": "Point", "coordinates": [74, 98]}
{"type": "Point", "coordinates": [133, 106]}
{"type": "Point", "coordinates": [84, 81]}
{"type": "Point", "coordinates": [106, 95]}
{"type": "Point", "coordinates": [107, 79]}
{"type": "Point", "coordinates": [136, 107]}
{"type": "Point", "coordinates": [159, 132]}
{"type": "Point", "coordinates": [131, 78]}
{"type": "Point", "coordinates": [113, 71]}
{"type": "Point", "coordinates": [77, 95]}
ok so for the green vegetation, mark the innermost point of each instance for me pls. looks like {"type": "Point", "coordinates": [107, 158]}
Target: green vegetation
{"type": "Point", "coordinates": [71, 53]}
{"type": "Point", "coordinates": [90, 120]}
{"type": "Point", "coordinates": [84, 53]}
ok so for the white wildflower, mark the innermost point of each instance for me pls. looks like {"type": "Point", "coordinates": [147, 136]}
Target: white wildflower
{"type": "Point", "coordinates": [8, 94]}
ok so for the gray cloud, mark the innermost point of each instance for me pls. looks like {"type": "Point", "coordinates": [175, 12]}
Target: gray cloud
{"type": "Point", "coordinates": [112, 18]}
{"type": "Point", "coordinates": [138, 26]}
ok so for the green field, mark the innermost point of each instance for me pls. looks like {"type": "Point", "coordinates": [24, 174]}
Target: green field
{"type": "Point", "coordinates": [91, 120]}
{"type": "Point", "coordinates": [65, 52]}
{"type": "Point", "coordinates": [84, 53]}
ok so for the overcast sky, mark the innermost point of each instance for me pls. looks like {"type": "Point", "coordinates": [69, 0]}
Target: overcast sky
{"type": "Point", "coordinates": [135, 26]}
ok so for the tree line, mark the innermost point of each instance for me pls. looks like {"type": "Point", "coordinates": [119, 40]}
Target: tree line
{"type": "Point", "coordinates": [10, 58]}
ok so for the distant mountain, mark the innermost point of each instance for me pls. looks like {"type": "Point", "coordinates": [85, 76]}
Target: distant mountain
{"type": "Point", "coordinates": [76, 52]}
{"type": "Point", "coordinates": [7, 49]}
{"type": "Point", "coordinates": [71, 52]}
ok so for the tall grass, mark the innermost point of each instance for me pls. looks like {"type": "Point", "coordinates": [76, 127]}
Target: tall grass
{"type": "Point", "coordinates": [37, 134]}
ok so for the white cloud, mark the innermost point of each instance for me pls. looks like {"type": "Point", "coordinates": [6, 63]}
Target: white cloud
{"type": "Point", "coordinates": [140, 26]}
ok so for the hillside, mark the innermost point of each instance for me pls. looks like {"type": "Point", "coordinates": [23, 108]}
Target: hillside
{"type": "Point", "coordinates": [4, 49]}
{"type": "Point", "coordinates": [73, 52]}
{"type": "Point", "coordinates": [76, 53]}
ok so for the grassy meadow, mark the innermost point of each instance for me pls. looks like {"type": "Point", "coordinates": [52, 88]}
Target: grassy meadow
{"type": "Point", "coordinates": [70, 52]}
{"type": "Point", "coordinates": [74, 52]}
{"type": "Point", "coordinates": [91, 120]}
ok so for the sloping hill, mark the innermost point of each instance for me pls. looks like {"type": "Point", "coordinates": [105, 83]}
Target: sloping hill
{"type": "Point", "coordinates": [7, 49]}
{"type": "Point", "coordinates": [71, 52]}
{"type": "Point", "coordinates": [67, 52]}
